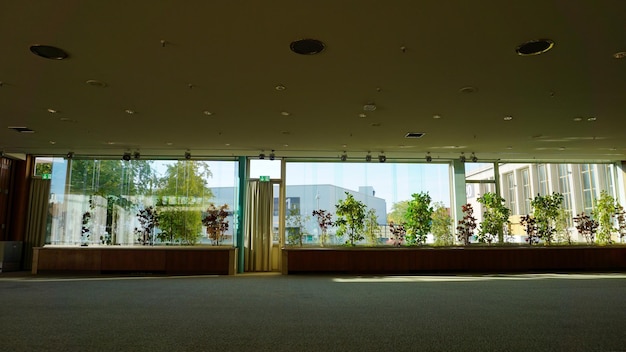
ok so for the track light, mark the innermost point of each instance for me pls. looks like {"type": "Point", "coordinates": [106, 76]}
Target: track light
{"type": "Point", "coordinates": [262, 155]}
{"type": "Point", "coordinates": [382, 158]}
{"type": "Point", "coordinates": [136, 156]}
{"type": "Point", "coordinates": [474, 158]}
{"type": "Point", "coordinates": [428, 157]}
{"type": "Point", "coordinates": [344, 156]}
{"type": "Point", "coordinates": [368, 157]}
{"type": "Point", "coordinates": [272, 155]}
{"type": "Point", "coordinates": [187, 155]}
{"type": "Point", "coordinates": [69, 155]}
{"type": "Point", "coordinates": [462, 158]}
{"type": "Point", "coordinates": [126, 156]}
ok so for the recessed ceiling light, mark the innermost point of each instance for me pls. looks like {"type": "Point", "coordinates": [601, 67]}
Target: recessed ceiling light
{"type": "Point", "coordinates": [620, 55]}
{"type": "Point", "coordinates": [280, 87]}
{"type": "Point", "coordinates": [53, 111]}
{"type": "Point", "coordinates": [534, 47]}
{"type": "Point", "coordinates": [414, 135]}
{"type": "Point", "coordinates": [362, 115]}
{"type": "Point", "coordinates": [48, 52]}
{"type": "Point", "coordinates": [590, 119]}
{"type": "Point", "coordinates": [307, 46]}
{"type": "Point", "coordinates": [207, 113]}
{"type": "Point", "coordinates": [285, 132]}
{"type": "Point", "coordinates": [376, 124]}
{"type": "Point", "coordinates": [129, 111]}
{"type": "Point", "coordinates": [577, 119]}
{"type": "Point", "coordinates": [468, 90]}
{"type": "Point", "coordinates": [227, 144]}
{"type": "Point", "coordinates": [169, 143]}
{"type": "Point", "coordinates": [285, 145]}
{"type": "Point", "coordinates": [369, 107]}
{"type": "Point", "coordinates": [561, 148]}
{"type": "Point", "coordinates": [509, 147]}
{"type": "Point", "coordinates": [508, 118]}
{"type": "Point", "coordinates": [96, 83]}
{"type": "Point", "coordinates": [110, 143]}
{"type": "Point", "coordinates": [436, 117]}
{"type": "Point", "coordinates": [285, 113]}
{"type": "Point", "coordinates": [52, 142]}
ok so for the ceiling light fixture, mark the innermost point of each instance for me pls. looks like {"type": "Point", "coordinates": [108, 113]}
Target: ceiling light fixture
{"type": "Point", "coordinates": [187, 155]}
{"type": "Point", "coordinates": [534, 47]}
{"type": "Point", "coordinates": [48, 52]}
{"type": "Point", "coordinates": [508, 118]}
{"type": "Point", "coordinates": [369, 107]}
{"type": "Point", "coordinates": [272, 155]}
{"type": "Point", "coordinates": [474, 158]}
{"type": "Point", "coordinates": [129, 111]}
{"type": "Point", "coordinates": [280, 87]}
{"type": "Point", "coordinates": [436, 117]}
{"type": "Point", "coordinates": [591, 119]}
{"type": "Point", "coordinates": [21, 129]}
{"type": "Point", "coordinates": [136, 156]}
{"type": "Point", "coordinates": [96, 83]}
{"type": "Point", "coordinates": [262, 155]}
{"type": "Point", "coordinates": [620, 55]}
{"type": "Point", "coordinates": [578, 119]}
{"type": "Point", "coordinates": [285, 113]}
{"type": "Point", "coordinates": [69, 155]}
{"type": "Point", "coordinates": [382, 158]}
{"type": "Point", "coordinates": [362, 115]}
{"type": "Point", "coordinates": [462, 157]}
{"type": "Point", "coordinates": [207, 113]}
{"type": "Point", "coordinates": [126, 156]}
{"type": "Point", "coordinates": [52, 111]}
{"type": "Point", "coordinates": [344, 156]}
{"type": "Point", "coordinates": [368, 157]}
{"type": "Point", "coordinates": [307, 46]}
{"type": "Point", "coordinates": [428, 157]}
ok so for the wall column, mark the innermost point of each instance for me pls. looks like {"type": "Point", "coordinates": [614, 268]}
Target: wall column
{"type": "Point", "coordinates": [241, 206]}
{"type": "Point", "coordinates": [459, 195]}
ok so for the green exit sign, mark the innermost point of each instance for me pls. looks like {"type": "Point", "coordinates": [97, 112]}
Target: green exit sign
{"type": "Point", "coordinates": [46, 176]}
{"type": "Point", "coordinates": [264, 178]}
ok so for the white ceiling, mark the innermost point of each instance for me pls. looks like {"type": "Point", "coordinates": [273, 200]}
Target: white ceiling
{"type": "Point", "coordinates": [227, 57]}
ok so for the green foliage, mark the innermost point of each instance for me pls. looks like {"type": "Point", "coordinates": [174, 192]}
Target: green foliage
{"type": "Point", "coordinates": [111, 177]}
{"type": "Point", "coordinates": [546, 211]}
{"type": "Point", "coordinates": [43, 168]}
{"type": "Point", "coordinates": [561, 228]}
{"type": "Point", "coordinates": [179, 225]}
{"type": "Point", "coordinates": [372, 230]}
{"type": "Point", "coordinates": [296, 229]}
{"type": "Point", "coordinates": [186, 180]}
{"type": "Point", "coordinates": [495, 218]}
{"type": "Point", "coordinates": [530, 226]}
{"type": "Point", "coordinates": [621, 222]}
{"type": "Point", "coordinates": [216, 223]}
{"type": "Point", "coordinates": [467, 224]}
{"type": "Point", "coordinates": [604, 211]}
{"type": "Point", "coordinates": [324, 222]}
{"type": "Point", "coordinates": [398, 211]}
{"type": "Point", "coordinates": [350, 216]}
{"type": "Point", "coordinates": [442, 225]}
{"type": "Point", "coordinates": [418, 218]}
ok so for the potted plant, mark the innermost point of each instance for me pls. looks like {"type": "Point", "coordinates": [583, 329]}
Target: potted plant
{"type": "Point", "coordinates": [530, 226]}
{"type": "Point", "coordinates": [372, 230]}
{"type": "Point", "coordinates": [604, 212]}
{"type": "Point", "coordinates": [545, 212]}
{"type": "Point", "coordinates": [441, 225]}
{"type": "Point", "coordinates": [586, 227]}
{"type": "Point", "coordinates": [85, 232]}
{"type": "Point", "coordinates": [324, 222]}
{"type": "Point", "coordinates": [350, 216]}
{"type": "Point", "coordinates": [418, 218]}
{"type": "Point", "coordinates": [495, 218]}
{"type": "Point", "coordinates": [216, 223]}
{"type": "Point", "coordinates": [621, 222]}
{"type": "Point", "coordinates": [148, 220]}
{"type": "Point", "coordinates": [467, 224]}
{"type": "Point", "coordinates": [397, 234]}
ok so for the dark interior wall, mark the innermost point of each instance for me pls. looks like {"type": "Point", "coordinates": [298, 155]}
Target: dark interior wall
{"type": "Point", "coordinates": [5, 192]}
{"type": "Point", "coordinates": [15, 183]}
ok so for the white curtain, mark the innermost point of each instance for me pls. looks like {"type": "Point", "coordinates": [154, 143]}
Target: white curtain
{"type": "Point", "coordinates": [258, 226]}
{"type": "Point", "coordinates": [37, 218]}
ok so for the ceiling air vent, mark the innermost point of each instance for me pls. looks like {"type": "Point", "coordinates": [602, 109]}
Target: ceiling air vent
{"type": "Point", "coordinates": [21, 129]}
{"type": "Point", "coordinates": [414, 135]}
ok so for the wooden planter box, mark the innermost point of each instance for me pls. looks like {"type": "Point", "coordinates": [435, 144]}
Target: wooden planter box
{"type": "Point", "coordinates": [174, 260]}
{"type": "Point", "coordinates": [453, 259]}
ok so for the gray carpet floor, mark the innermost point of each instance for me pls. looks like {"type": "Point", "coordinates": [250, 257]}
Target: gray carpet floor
{"type": "Point", "coordinates": [532, 312]}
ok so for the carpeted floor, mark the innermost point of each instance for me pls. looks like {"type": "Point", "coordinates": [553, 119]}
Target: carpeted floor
{"type": "Point", "coordinates": [533, 312]}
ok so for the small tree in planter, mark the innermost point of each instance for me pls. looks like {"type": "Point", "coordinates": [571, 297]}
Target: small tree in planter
{"type": "Point", "coordinates": [546, 211]}
{"type": "Point", "coordinates": [350, 217]}
{"type": "Point", "coordinates": [530, 226]}
{"type": "Point", "coordinates": [467, 224]}
{"type": "Point", "coordinates": [418, 218]}
{"type": "Point", "coordinates": [296, 229]}
{"type": "Point", "coordinates": [442, 226]}
{"type": "Point", "coordinates": [324, 222]}
{"type": "Point", "coordinates": [603, 213]}
{"type": "Point", "coordinates": [216, 223]}
{"type": "Point", "coordinates": [495, 218]}
{"type": "Point", "coordinates": [586, 227]}
{"type": "Point", "coordinates": [397, 234]}
{"type": "Point", "coordinates": [85, 231]}
{"type": "Point", "coordinates": [621, 222]}
{"type": "Point", "coordinates": [372, 230]}
{"type": "Point", "coordinates": [148, 220]}
{"type": "Point", "coordinates": [563, 234]}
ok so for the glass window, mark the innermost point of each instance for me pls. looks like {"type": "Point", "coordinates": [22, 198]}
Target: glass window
{"type": "Point", "coordinates": [542, 176]}
{"type": "Point", "coordinates": [510, 186]}
{"type": "Point", "coordinates": [526, 191]}
{"type": "Point", "coordinates": [113, 201]}
{"type": "Point", "coordinates": [588, 185]}
{"type": "Point", "coordinates": [384, 189]}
